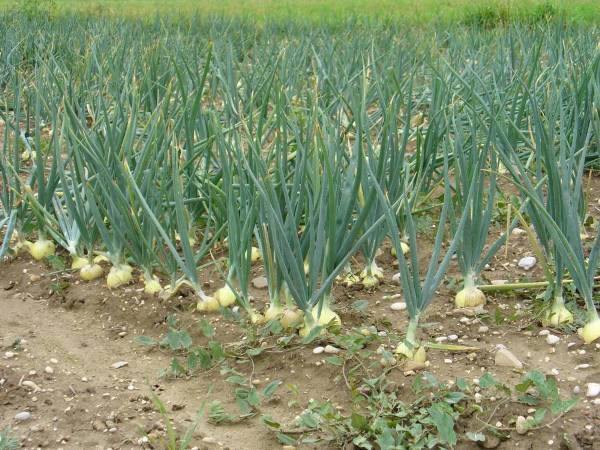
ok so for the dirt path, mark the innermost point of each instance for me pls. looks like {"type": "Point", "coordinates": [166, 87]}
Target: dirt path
{"type": "Point", "coordinates": [84, 402]}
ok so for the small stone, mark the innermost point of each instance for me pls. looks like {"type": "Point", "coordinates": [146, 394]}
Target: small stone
{"type": "Point", "coordinates": [441, 339]}
{"type": "Point", "coordinates": [593, 390]}
{"type": "Point", "coordinates": [9, 355]}
{"type": "Point", "coordinates": [506, 358]}
{"type": "Point", "coordinates": [209, 440]}
{"type": "Point", "coordinates": [119, 364]}
{"type": "Point", "coordinates": [582, 366]}
{"type": "Point", "coordinates": [49, 370]}
{"type": "Point", "coordinates": [396, 278]}
{"type": "Point", "coordinates": [552, 339]}
{"type": "Point", "coordinates": [260, 282]}
{"type": "Point", "coordinates": [331, 349]}
{"type": "Point", "coordinates": [521, 425]}
{"type": "Point", "coordinates": [452, 337]}
{"type": "Point", "coordinates": [398, 306]}
{"type": "Point", "coordinates": [447, 361]}
{"type": "Point", "coordinates": [483, 329]}
{"type": "Point", "coordinates": [576, 390]}
{"type": "Point", "coordinates": [499, 282]}
{"type": "Point", "coordinates": [518, 231]}
{"type": "Point", "coordinates": [527, 262]}
{"type": "Point", "coordinates": [23, 416]}
{"type": "Point", "coordinates": [544, 333]}
{"type": "Point", "coordinates": [53, 361]}
{"type": "Point", "coordinates": [318, 350]}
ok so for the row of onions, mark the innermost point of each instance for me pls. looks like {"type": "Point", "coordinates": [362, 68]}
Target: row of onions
{"type": "Point", "coordinates": [158, 162]}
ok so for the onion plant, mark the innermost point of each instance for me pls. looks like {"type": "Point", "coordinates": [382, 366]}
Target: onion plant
{"type": "Point", "coordinates": [418, 291]}
{"type": "Point", "coordinates": [324, 190]}
{"type": "Point", "coordinates": [475, 168]}
{"type": "Point", "coordinates": [241, 210]}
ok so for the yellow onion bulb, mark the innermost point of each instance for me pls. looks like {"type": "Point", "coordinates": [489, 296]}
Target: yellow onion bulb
{"type": "Point", "coordinates": [42, 248]}
{"type": "Point", "coordinates": [152, 285]}
{"type": "Point", "coordinates": [90, 272]}
{"type": "Point", "coordinates": [328, 317]}
{"type": "Point", "coordinates": [290, 318]}
{"type": "Point", "coordinates": [255, 254]}
{"type": "Point", "coordinates": [225, 296]}
{"type": "Point", "coordinates": [469, 297]}
{"type": "Point", "coordinates": [404, 350]}
{"type": "Point", "coordinates": [100, 259]}
{"type": "Point", "coordinates": [405, 249]}
{"type": "Point", "coordinates": [255, 317]}
{"type": "Point", "coordinates": [370, 281]}
{"type": "Point", "coordinates": [78, 262]}
{"type": "Point", "coordinates": [591, 331]}
{"type": "Point", "coordinates": [119, 275]}
{"type": "Point", "coordinates": [273, 312]}
{"type": "Point", "coordinates": [420, 355]}
{"type": "Point", "coordinates": [558, 315]}
{"type": "Point", "coordinates": [350, 280]}
{"type": "Point", "coordinates": [208, 304]}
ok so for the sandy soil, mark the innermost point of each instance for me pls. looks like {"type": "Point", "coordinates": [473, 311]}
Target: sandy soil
{"type": "Point", "coordinates": [71, 339]}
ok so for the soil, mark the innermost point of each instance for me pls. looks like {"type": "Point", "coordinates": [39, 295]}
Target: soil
{"type": "Point", "coordinates": [81, 331]}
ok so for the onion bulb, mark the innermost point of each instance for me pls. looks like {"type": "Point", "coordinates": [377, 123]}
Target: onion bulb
{"type": "Point", "coordinates": [273, 312]}
{"type": "Point", "coordinates": [255, 317]}
{"type": "Point", "coordinates": [119, 275]}
{"type": "Point", "coordinates": [469, 297]}
{"type": "Point", "coordinates": [291, 318]}
{"type": "Point", "coordinates": [78, 262]}
{"type": "Point", "coordinates": [42, 248]}
{"type": "Point", "coordinates": [350, 280]}
{"type": "Point", "coordinates": [419, 355]}
{"type": "Point", "coordinates": [255, 254]}
{"type": "Point", "coordinates": [328, 317]}
{"type": "Point", "coordinates": [558, 314]}
{"type": "Point", "coordinates": [208, 304]}
{"type": "Point", "coordinates": [371, 275]}
{"type": "Point", "coordinates": [152, 285]}
{"type": "Point", "coordinates": [100, 259]}
{"type": "Point", "coordinates": [591, 331]}
{"type": "Point", "coordinates": [90, 272]}
{"type": "Point", "coordinates": [405, 249]}
{"type": "Point", "coordinates": [225, 296]}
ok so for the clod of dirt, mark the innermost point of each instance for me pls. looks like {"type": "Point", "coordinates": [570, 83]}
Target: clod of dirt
{"type": "Point", "coordinates": [411, 365]}
{"type": "Point", "coordinates": [506, 358]}
{"type": "Point", "coordinates": [491, 441]}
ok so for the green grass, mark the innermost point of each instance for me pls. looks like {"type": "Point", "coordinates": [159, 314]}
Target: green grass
{"type": "Point", "coordinates": [482, 12]}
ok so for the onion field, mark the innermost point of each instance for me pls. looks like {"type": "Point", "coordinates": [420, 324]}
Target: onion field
{"type": "Point", "coordinates": [290, 234]}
